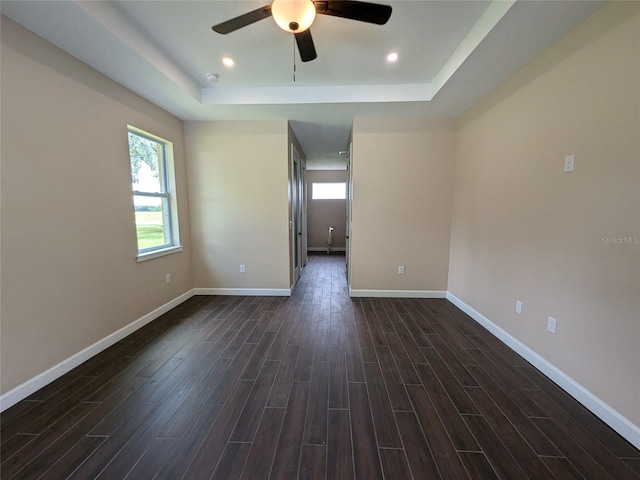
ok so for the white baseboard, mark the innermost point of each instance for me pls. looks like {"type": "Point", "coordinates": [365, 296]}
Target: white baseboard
{"type": "Point", "coordinates": [397, 293]}
{"type": "Point", "coordinates": [248, 292]}
{"type": "Point", "coordinates": [324, 249]}
{"type": "Point", "coordinates": [36, 383]}
{"type": "Point", "coordinates": [602, 410]}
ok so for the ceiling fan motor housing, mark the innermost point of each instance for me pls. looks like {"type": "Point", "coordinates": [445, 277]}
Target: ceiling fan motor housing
{"type": "Point", "coordinates": [293, 15]}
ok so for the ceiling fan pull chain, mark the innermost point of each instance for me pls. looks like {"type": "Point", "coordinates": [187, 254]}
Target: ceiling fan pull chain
{"type": "Point", "coordinates": [294, 58]}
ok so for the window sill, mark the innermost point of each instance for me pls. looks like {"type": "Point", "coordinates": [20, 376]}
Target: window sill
{"type": "Point", "coordinates": [143, 257]}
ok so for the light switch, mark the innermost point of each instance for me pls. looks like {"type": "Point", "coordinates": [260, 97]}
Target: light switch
{"type": "Point", "coordinates": [569, 160]}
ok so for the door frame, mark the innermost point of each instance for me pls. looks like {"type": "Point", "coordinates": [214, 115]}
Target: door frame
{"type": "Point", "coordinates": [349, 195]}
{"type": "Point", "coordinates": [298, 222]}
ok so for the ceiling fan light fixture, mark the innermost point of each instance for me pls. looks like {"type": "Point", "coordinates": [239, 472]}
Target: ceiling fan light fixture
{"type": "Point", "coordinates": [293, 16]}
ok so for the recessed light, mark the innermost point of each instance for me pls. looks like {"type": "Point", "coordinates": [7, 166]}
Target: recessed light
{"type": "Point", "coordinates": [212, 77]}
{"type": "Point", "coordinates": [392, 57]}
{"type": "Point", "coordinates": [228, 61]}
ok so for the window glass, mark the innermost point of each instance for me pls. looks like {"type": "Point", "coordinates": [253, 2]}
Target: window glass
{"type": "Point", "coordinates": [328, 191]}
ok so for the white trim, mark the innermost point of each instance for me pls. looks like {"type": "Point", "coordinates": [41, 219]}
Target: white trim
{"type": "Point", "coordinates": [602, 410]}
{"type": "Point", "coordinates": [397, 293]}
{"type": "Point", "coordinates": [324, 249]}
{"type": "Point", "coordinates": [248, 292]}
{"type": "Point", "coordinates": [36, 383]}
{"type": "Point", "coordinates": [143, 257]}
{"type": "Point", "coordinates": [408, 92]}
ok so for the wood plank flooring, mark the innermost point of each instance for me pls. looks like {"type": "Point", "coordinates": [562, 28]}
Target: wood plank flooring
{"type": "Point", "coordinates": [316, 386]}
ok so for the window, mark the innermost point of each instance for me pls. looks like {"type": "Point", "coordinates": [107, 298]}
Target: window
{"type": "Point", "coordinates": [328, 191]}
{"type": "Point", "coordinates": [153, 186]}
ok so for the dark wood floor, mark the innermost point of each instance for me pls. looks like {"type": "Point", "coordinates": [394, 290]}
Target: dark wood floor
{"type": "Point", "coordinates": [314, 386]}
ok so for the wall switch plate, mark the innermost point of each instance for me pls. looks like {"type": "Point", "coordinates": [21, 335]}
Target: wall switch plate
{"type": "Point", "coordinates": [401, 270]}
{"type": "Point", "coordinates": [167, 278]}
{"type": "Point", "coordinates": [243, 268]}
{"type": "Point", "coordinates": [518, 306]}
{"type": "Point", "coordinates": [551, 324]}
{"type": "Point", "coordinates": [569, 162]}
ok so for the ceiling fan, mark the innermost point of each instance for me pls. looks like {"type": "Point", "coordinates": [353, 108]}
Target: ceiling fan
{"type": "Point", "coordinates": [296, 16]}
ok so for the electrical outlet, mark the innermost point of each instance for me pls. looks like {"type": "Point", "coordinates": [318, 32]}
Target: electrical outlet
{"type": "Point", "coordinates": [551, 324]}
{"type": "Point", "coordinates": [401, 270]}
{"type": "Point", "coordinates": [518, 307]}
{"type": "Point", "coordinates": [167, 278]}
{"type": "Point", "coordinates": [243, 268]}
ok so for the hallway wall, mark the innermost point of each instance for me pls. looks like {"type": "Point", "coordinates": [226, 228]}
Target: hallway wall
{"type": "Point", "coordinates": [238, 198]}
{"type": "Point", "coordinates": [401, 213]}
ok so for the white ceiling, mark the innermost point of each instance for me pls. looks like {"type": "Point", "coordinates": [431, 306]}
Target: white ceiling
{"type": "Point", "coordinates": [451, 53]}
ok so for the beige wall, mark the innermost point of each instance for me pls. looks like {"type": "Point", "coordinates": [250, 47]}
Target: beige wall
{"type": "Point", "coordinates": [401, 211]}
{"type": "Point", "coordinates": [238, 199]}
{"type": "Point", "coordinates": [523, 229]}
{"type": "Point", "coordinates": [323, 214]}
{"type": "Point", "coordinates": [69, 271]}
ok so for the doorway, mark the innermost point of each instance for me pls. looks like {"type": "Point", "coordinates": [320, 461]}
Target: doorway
{"type": "Point", "coordinates": [349, 195]}
{"type": "Point", "coordinates": [298, 225]}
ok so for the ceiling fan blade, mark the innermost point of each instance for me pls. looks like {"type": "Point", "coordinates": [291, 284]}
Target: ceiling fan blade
{"type": "Point", "coordinates": [305, 46]}
{"type": "Point", "coordinates": [354, 10]}
{"type": "Point", "coordinates": [243, 20]}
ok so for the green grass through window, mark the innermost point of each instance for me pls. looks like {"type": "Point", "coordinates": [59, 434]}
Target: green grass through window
{"type": "Point", "coordinates": [150, 236]}
{"type": "Point", "coordinates": [150, 228]}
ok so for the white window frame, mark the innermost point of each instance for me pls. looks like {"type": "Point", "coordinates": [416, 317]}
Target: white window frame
{"type": "Point", "coordinates": [167, 195]}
